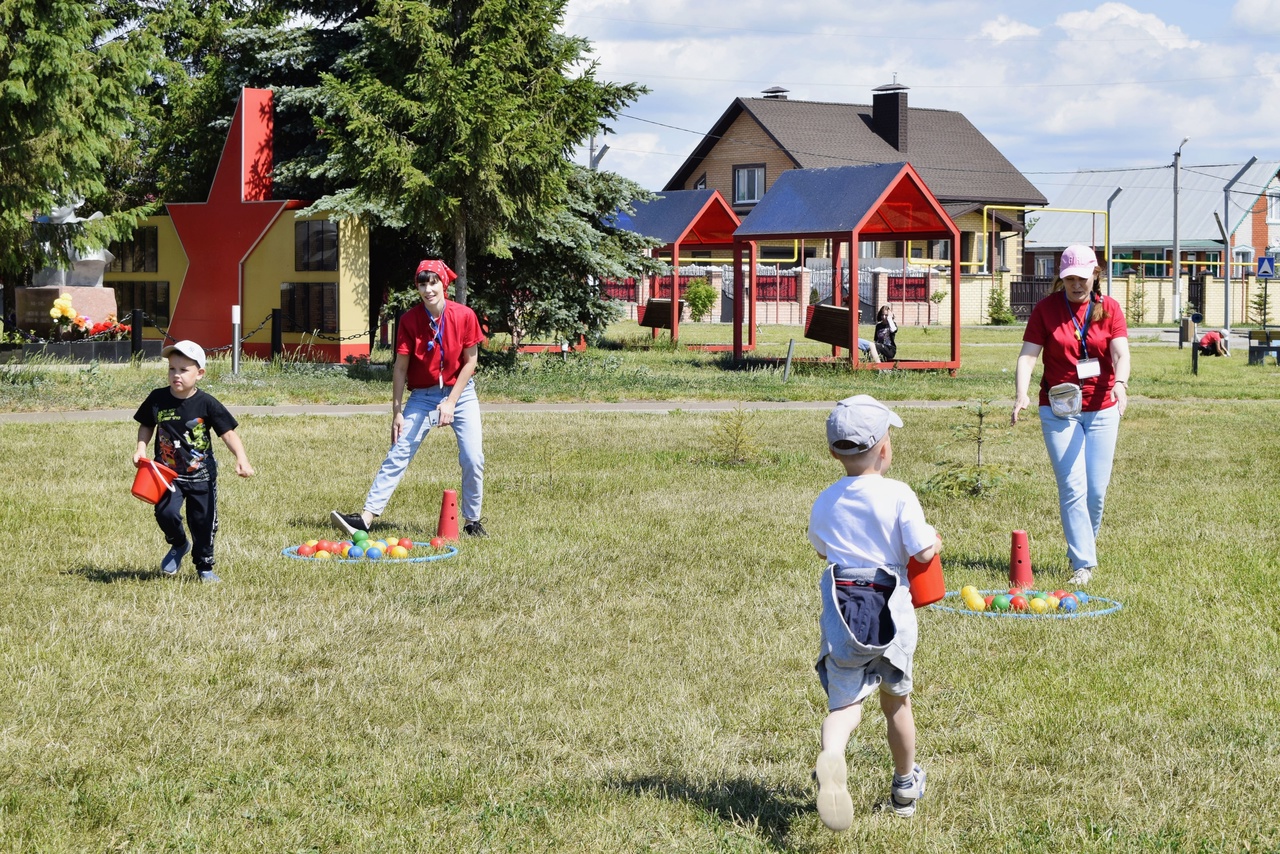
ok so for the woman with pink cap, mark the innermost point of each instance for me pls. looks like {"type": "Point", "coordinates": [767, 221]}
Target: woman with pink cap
{"type": "Point", "coordinates": [1084, 389]}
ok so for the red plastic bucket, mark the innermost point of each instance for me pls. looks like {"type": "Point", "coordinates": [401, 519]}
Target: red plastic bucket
{"type": "Point", "coordinates": [926, 581]}
{"type": "Point", "coordinates": [152, 481]}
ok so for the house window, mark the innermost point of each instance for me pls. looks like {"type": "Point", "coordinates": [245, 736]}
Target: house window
{"type": "Point", "coordinates": [315, 245]}
{"type": "Point", "coordinates": [748, 184]}
{"type": "Point", "coordinates": [1044, 267]}
{"type": "Point", "coordinates": [1273, 206]}
{"type": "Point", "coordinates": [309, 306]}
{"type": "Point", "coordinates": [139, 255]}
{"type": "Point", "coordinates": [701, 183]}
{"type": "Point", "coordinates": [151, 297]}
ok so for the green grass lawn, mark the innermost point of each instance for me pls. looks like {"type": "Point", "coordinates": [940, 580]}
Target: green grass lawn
{"type": "Point", "coordinates": [626, 663]}
{"type": "Point", "coordinates": [630, 366]}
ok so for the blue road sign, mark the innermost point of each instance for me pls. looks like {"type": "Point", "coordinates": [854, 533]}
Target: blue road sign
{"type": "Point", "coordinates": [1266, 267]}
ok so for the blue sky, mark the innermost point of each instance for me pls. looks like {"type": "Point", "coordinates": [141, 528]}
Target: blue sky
{"type": "Point", "coordinates": [1057, 86]}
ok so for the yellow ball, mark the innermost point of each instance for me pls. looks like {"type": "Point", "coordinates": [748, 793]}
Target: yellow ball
{"type": "Point", "coordinates": [323, 555]}
{"type": "Point", "coordinates": [967, 590]}
{"type": "Point", "coordinates": [398, 552]}
{"type": "Point", "coordinates": [974, 601]}
{"type": "Point", "coordinates": [1038, 605]}
{"type": "Point", "coordinates": [1052, 602]}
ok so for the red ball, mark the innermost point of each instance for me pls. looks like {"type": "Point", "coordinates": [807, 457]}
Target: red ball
{"type": "Point", "coordinates": [988, 600]}
{"type": "Point", "coordinates": [436, 542]}
{"type": "Point", "coordinates": [1060, 593]}
{"type": "Point", "coordinates": [1018, 603]}
{"type": "Point", "coordinates": [305, 550]}
{"type": "Point", "coordinates": [406, 542]}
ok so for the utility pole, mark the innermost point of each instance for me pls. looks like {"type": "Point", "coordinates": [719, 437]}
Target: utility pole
{"type": "Point", "coordinates": [594, 158]}
{"type": "Point", "coordinates": [1226, 237]}
{"type": "Point", "coordinates": [1177, 249]}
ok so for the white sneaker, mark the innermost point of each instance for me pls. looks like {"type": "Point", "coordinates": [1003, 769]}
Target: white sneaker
{"type": "Point", "coordinates": [1081, 577]}
{"type": "Point", "coordinates": [835, 807]}
{"type": "Point", "coordinates": [903, 797]}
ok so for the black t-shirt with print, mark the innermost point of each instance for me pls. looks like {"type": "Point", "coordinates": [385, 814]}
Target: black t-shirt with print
{"type": "Point", "coordinates": [185, 430]}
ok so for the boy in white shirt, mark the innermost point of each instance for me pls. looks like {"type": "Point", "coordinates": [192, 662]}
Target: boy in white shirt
{"type": "Point", "coordinates": [866, 526]}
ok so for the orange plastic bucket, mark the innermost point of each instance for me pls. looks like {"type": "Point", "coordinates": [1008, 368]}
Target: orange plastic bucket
{"type": "Point", "coordinates": [152, 481]}
{"type": "Point", "coordinates": [926, 581]}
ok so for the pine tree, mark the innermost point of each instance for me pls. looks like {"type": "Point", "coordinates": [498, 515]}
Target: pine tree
{"type": "Point", "coordinates": [457, 117]}
{"type": "Point", "coordinates": [70, 86]}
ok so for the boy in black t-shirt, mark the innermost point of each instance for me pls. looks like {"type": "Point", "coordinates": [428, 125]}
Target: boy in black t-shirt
{"type": "Point", "coordinates": [187, 419]}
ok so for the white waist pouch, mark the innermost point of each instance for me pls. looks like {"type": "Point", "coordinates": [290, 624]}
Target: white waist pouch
{"type": "Point", "coordinates": [1065, 400]}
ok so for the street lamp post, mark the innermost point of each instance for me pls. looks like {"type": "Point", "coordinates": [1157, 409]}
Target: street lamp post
{"type": "Point", "coordinates": [1177, 249]}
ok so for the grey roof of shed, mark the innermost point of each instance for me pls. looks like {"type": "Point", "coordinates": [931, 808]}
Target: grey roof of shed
{"type": "Point", "coordinates": [1142, 215]}
{"type": "Point", "coordinates": [952, 156]}
{"type": "Point", "coordinates": [666, 217]}
{"type": "Point", "coordinates": [820, 201]}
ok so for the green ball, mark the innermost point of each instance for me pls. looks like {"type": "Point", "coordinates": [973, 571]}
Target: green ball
{"type": "Point", "coordinates": [1001, 602]}
{"type": "Point", "coordinates": [360, 536]}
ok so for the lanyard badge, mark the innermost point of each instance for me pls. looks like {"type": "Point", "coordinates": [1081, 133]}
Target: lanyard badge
{"type": "Point", "coordinates": [437, 340]}
{"type": "Point", "coordinates": [1086, 368]}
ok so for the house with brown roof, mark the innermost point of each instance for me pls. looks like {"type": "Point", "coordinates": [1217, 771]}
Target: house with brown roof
{"type": "Point", "coordinates": [757, 139]}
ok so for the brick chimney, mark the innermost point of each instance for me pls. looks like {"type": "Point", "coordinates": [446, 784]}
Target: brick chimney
{"type": "Point", "coordinates": [889, 114]}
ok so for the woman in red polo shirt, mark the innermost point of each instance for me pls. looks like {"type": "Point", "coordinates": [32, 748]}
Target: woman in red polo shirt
{"type": "Point", "coordinates": [1084, 390]}
{"type": "Point", "coordinates": [437, 349]}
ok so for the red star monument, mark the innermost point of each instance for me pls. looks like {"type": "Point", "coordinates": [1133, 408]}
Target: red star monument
{"type": "Point", "coordinates": [219, 234]}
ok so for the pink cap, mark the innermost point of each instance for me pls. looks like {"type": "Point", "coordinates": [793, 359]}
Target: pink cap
{"type": "Point", "coordinates": [438, 267]}
{"type": "Point", "coordinates": [1077, 261]}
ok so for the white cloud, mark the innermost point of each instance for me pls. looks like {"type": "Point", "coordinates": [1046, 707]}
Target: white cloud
{"type": "Point", "coordinates": [1004, 28]}
{"type": "Point", "coordinates": [1257, 15]}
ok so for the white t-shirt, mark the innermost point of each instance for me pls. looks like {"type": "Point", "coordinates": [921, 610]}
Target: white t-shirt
{"type": "Point", "coordinates": [869, 521]}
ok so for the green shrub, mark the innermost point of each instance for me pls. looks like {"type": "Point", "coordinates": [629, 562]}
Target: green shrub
{"type": "Point", "coordinates": [998, 308]}
{"type": "Point", "coordinates": [699, 296]}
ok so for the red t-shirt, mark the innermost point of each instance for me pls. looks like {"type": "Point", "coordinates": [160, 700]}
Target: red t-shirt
{"type": "Point", "coordinates": [436, 348]}
{"type": "Point", "coordinates": [1051, 327]}
{"type": "Point", "coordinates": [1210, 338]}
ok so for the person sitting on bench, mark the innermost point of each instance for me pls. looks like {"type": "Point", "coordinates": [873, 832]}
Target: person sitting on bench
{"type": "Point", "coordinates": [1214, 343]}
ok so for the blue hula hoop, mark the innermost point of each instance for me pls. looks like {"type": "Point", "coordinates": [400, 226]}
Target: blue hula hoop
{"type": "Point", "coordinates": [1112, 606]}
{"type": "Point", "coordinates": [292, 551]}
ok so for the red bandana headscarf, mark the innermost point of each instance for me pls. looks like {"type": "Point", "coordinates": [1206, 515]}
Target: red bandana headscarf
{"type": "Point", "coordinates": [440, 268]}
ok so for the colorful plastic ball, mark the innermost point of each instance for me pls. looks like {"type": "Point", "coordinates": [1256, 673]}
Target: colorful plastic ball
{"type": "Point", "coordinates": [988, 600]}
{"type": "Point", "coordinates": [354, 553]}
{"type": "Point", "coordinates": [313, 543]}
{"type": "Point", "coordinates": [360, 536]}
{"type": "Point", "coordinates": [967, 590]}
{"type": "Point", "coordinates": [1081, 597]}
{"type": "Point", "coordinates": [1038, 605]}
{"type": "Point", "coordinates": [1001, 602]}
{"type": "Point", "coordinates": [1059, 593]}
{"type": "Point", "coordinates": [373, 553]}
{"type": "Point", "coordinates": [322, 554]}
{"type": "Point", "coordinates": [1053, 602]}
{"type": "Point", "coordinates": [1070, 596]}
{"type": "Point", "coordinates": [973, 601]}
{"type": "Point", "coordinates": [436, 542]}
{"type": "Point", "coordinates": [405, 542]}
{"type": "Point", "coordinates": [1068, 604]}
{"type": "Point", "coordinates": [306, 550]}
{"type": "Point", "coordinates": [1018, 603]}
{"type": "Point", "coordinates": [398, 552]}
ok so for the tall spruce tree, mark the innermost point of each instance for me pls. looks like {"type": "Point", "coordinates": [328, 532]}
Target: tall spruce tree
{"type": "Point", "coordinates": [70, 87]}
{"type": "Point", "coordinates": [457, 117]}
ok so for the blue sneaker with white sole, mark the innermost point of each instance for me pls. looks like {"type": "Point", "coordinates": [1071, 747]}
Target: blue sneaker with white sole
{"type": "Point", "coordinates": [905, 793]}
{"type": "Point", "coordinates": [173, 559]}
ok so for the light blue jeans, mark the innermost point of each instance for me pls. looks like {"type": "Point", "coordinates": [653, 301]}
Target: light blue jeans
{"type": "Point", "coordinates": [466, 427]}
{"type": "Point", "coordinates": [1081, 449]}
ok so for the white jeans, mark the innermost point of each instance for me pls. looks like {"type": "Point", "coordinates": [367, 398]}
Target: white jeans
{"type": "Point", "coordinates": [1081, 449]}
{"type": "Point", "coordinates": [466, 427]}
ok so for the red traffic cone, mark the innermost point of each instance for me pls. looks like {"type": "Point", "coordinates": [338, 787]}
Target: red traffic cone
{"type": "Point", "coordinates": [448, 526]}
{"type": "Point", "coordinates": [1020, 562]}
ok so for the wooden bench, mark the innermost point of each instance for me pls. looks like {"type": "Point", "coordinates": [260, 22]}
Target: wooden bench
{"type": "Point", "coordinates": [656, 313]}
{"type": "Point", "coordinates": [828, 324]}
{"type": "Point", "coordinates": [1262, 342]}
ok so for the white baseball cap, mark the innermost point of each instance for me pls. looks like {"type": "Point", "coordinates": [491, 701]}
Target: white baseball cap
{"type": "Point", "coordinates": [858, 423]}
{"type": "Point", "coordinates": [190, 349]}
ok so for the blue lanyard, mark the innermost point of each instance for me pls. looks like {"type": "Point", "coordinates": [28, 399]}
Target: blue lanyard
{"type": "Point", "coordinates": [437, 329]}
{"type": "Point", "coordinates": [1081, 332]}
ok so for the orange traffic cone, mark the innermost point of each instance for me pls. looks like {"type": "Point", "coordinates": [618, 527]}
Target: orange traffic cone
{"type": "Point", "coordinates": [1020, 562]}
{"type": "Point", "coordinates": [448, 526]}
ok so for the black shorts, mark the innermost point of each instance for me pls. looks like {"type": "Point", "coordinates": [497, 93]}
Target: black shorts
{"type": "Point", "coordinates": [866, 612]}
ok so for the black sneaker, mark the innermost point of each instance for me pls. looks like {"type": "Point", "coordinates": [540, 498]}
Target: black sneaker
{"type": "Point", "coordinates": [474, 529]}
{"type": "Point", "coordinates": [348, 522]}
{"type": "Point", "coordinates": [207, 576]}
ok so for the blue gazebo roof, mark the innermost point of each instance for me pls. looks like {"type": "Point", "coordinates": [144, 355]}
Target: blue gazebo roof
{"type": "Point", "coordinates": [841, 199]}
{"type": "Point", "coordinates": [683, 216]}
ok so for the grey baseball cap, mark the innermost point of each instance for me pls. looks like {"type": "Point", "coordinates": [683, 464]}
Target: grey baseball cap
{"type": "Point", "coordinates": [858, 423]}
